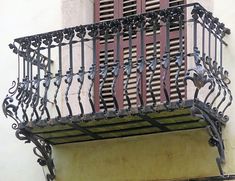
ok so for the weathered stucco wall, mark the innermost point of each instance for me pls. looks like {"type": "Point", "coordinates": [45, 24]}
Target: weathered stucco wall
{"type": "Point", "coordinates": [20, 18]}
{"type": "Point", "coordinates": [141, 158]}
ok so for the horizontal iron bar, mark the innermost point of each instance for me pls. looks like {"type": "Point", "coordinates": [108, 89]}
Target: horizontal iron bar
{"type": "Point", "coordinates": [87, 132]}
{"type": "Point", "coordinates": [128, 135]}
{"type": "Point", "coordinates": [118, 124]}
{"type": "Point", "coordinates": [128, 129]}
{"type": "Point", "coordinates": [18, 40]}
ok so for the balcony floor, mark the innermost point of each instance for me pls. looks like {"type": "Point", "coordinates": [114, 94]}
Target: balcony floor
{"type": "Point", "coordinates": [134, 122]}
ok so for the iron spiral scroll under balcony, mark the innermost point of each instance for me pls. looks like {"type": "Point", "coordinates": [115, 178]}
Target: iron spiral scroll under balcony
{"type": "Point", "coordinates": [28, 98]}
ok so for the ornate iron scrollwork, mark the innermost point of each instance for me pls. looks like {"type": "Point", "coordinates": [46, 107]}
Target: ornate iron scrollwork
{"type": "Point", "coordinates": [8, 106]}
{"type": "Point", "coordinates": [58, 76]}
{"type": "Point", "coordinates": [104, 30]}
{"type": "Point", "coordinates": [69, 34]}
{"type": "Point", "coordinates": [153, 21]}
{"type": "Point", "coordinates": [128, 26]}
{"type": "Point", "coordinates": [93, 32]}
{"type": "Point", "coordinates": [47, 80]}
{"type": "Point", "coordinates": [42, 150]}
{"type": "Point", "coordinates": [215, 132]}
{"type": "Point", "coordinates": [199, 77]}
{"type": "Point", "coordinates": [81, 73]}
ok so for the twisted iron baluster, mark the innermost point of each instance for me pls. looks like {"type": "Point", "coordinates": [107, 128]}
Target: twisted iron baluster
{"type": "Point", "coordinates": [104, 68]}
{"type": "Point", "coordinates": [224, 73]}
{"type": "Point", "coordinates": [154, 18]}
{"type": "Point", "coordinates": [215, 73]}
{"type": "Point", "coordinates": [36, 81]}
{"type": "Point", "coordinates": [218, 32]}
{"type": "Point", "coordinates": [211, 64]}
{"type": "Point", "coordinates": [58, 76]}
{"type": "Point", "coordinates": [47, 80]}
{"type": "Point", "coordinates": [116, 67]}
{"type": "Point", "coordinates": [166, 55]}
{"type": "Point", "coordinates": [226, 81]}
{"type": "Point", "coordinates": [128, 64]}
{"type": "Point", "coordinates": [199, 69]}
{"type": "Point", "coordinates": [180, 56]}
{"type": "Point", "coordinates": [141, 60]}
{"type": "Point", "coordinates": [21, 85]}
{"type": "Point", "coordinates": [207, 60]}
{"type": "Point", "coordinates": [81, 73]}
{"type": "Point", "coordinates": [26, 82]}
{"type": "Point", "coordinates": [92, 70]}
{"type": "Point", "coordinates": [29, 98]}
{"type": "Point", "coordinates": [215, 68]}
{"type": "Point", "coordinates": [69, 34]}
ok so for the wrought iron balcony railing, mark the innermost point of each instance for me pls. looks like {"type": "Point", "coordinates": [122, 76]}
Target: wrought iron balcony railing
{"type": "Point", "coordinates": [143, 88]}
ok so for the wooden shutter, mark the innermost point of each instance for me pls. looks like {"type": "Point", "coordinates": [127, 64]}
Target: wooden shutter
{"type": "Point", "coordinates": [151, 5]}
{"type": "Point", "coordinates": [106, 10]}
{"type": "Point", "coordinates": [111, 9]}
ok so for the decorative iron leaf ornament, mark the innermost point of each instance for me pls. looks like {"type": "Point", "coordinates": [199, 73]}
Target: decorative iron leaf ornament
{"type": "Point", "coordinates": [199, 78]}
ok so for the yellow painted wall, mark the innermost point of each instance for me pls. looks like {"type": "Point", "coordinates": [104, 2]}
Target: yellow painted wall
{"type": "Point", "coordinates": [141, 158]}
{"type": "Point", "coordinates": [177, 155]}
{"type": "Point", "coordinates": [226, 13]}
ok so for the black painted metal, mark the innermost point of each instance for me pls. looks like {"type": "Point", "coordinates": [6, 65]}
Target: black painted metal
{"type": "Point", "coordinates": [26, 106]}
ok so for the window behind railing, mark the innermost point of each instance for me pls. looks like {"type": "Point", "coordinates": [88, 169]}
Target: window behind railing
{"type": "Point", "coordinates": [110, 9]}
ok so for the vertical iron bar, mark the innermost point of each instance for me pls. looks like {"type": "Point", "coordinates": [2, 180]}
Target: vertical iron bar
{"type": "Point", "coordinates": [215, 48]}
{"type": "Point", "coordinates": [166, 60]}
{"type": "Point", "coordinates": [203, 42]}
{"type": "Point", "coordinates": [24, 67]}
{"type": "Point", "coordinates": [58, 75]}
{"type": "Point", "coordinates": [82, 51]}
{"type": "Point", "coordinates": [155, 38]}
{"type": "Point", "coordinates": [179, 58]}
{"type": "Point", "coordinates": [140, 66]}
{"type": "Point", "coordinates": [81, 34]}
{"type": "Point", "coordinates": [221, 53]}
{"type": "Point", "coordinates": [92, 73]}
{"type": "Point", "coordinates": [69, 74]}
{"type": "Point", "coordinates": [195, 33]}
{"type": "Point", "coordinates": [104, 69]}
{"type": "Point", "coordinates": [94, 50]}
{"type": "Point", "coordinates": [153, 64]}
{"type": "Point", "coordinates": [128, 64]}
{"type": "Point", "coordinates": [115, 70]}
{"type": "Point", "coordinates": [209, 43]}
